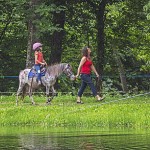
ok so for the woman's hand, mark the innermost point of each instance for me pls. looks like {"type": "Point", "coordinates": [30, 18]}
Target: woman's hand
{"type": "Point", "coordinates": [97, 75]}
{"type": "Point", "coordinates": [76, 76]}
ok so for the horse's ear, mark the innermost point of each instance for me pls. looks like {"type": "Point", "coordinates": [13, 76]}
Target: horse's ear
{"type": "Point", "coordinates": [67, 65]}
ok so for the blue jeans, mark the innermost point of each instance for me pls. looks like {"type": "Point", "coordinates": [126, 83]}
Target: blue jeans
{"type": "Point", "coordinates": [87, 80]}
{"type": "Point", "coordinates": [37, 68]}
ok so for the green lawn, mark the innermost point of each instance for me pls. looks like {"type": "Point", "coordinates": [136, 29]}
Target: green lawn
{"type": "Point", "coordinates": [115, 111]}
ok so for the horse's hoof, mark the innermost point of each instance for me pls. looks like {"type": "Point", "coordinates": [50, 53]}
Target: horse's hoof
{"type": "Point", "coordinates": [49, 100]}
{"type": "Point", "coordinates": [48, 103]}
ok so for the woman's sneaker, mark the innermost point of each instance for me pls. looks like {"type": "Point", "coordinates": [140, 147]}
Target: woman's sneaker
{"type": "Point", "coordinates": [100, 98]}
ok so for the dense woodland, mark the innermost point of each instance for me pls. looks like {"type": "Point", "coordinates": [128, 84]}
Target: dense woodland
{"type": "Point", "coordinates": [117, 31]}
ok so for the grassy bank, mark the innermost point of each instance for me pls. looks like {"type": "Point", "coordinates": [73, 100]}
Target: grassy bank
{"type": "Point", "coordinates": [64, 112]}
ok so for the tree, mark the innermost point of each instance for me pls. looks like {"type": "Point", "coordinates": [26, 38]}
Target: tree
{"type": "Point", "coordinates": [56, 39]}
{"type": "Point", "coordinates": [32, 35]}
{"type": "Point", "coordinates": [126, 31]}
{"type": "Point", "coordinates": [99, 10]}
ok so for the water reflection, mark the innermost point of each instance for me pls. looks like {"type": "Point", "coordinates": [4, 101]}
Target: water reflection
{"type": "Point", "coordinates": [73, 139]}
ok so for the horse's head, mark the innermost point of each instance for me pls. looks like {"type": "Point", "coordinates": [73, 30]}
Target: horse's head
{"type": "Point", "coordinates": [68, 72]}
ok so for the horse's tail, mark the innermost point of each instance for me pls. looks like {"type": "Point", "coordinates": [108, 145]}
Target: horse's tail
{"type": "Point", "coordinates": [23, 83]}
{"type": "Point", "coordinates": [24, 91]}
{"type": "Point", "coordinates": [30, 90]}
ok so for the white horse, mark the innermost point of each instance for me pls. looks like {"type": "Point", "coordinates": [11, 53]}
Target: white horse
{"type": "Point", "coordinates": [27, 84]}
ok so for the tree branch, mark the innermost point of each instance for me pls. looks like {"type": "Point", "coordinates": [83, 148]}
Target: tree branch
{"type": "Point", "coordinates": [5, 28]}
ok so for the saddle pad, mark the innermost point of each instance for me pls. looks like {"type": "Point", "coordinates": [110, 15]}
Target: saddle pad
{"type": "Point", "coordinates": [33, 73]}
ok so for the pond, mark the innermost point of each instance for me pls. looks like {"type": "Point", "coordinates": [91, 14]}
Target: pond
{"type": "Point", "coordinates": [38, 138]}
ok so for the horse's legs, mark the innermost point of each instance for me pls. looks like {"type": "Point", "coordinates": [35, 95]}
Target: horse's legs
{"type": "Point", "coordinates": [21, 85]}
{"type": "Point", "coordinates": [47, 95]}
{"type": "Point", "coordinates": [30, 95]}
{"type": "Point", "coordinates": [49, 99]}
{"type": "Point", "coordinates": [53, 90]}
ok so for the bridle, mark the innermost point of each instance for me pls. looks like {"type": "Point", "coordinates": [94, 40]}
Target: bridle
{"type": "Point", "coordinates": [67, 71]}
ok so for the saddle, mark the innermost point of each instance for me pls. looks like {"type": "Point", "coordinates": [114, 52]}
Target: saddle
{"type": "Point", "coordinates": [33, 72]}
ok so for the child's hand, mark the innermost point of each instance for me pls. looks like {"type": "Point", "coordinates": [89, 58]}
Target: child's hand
{"type": "Point", "coordinates": [42, 64]}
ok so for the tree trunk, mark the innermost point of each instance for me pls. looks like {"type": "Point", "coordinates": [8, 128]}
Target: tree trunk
{"type": "Point", "coordinates": [121, 71]}
{"type": "Point", "coordinates": [57, 37]}
{"type": "Point", "coordinates": [29, 60]}
{"type": "Point", "coordinates": [100, 42]}
{"type": "Point", "coordinates": [32, 35]}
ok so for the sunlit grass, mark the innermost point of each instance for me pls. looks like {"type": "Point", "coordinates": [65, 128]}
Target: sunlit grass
{"type": "Point", "coordinates": [64, 112]}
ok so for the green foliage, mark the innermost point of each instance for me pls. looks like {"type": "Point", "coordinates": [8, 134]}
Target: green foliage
{"type": "Point", "coordinates": [44, 24]}
{"type": "Point", "coordinates": [129, 36]}
{"type": "Point", "coordinates": [126, 29]}
{"type": "Point", "coordinates": [147, 10]}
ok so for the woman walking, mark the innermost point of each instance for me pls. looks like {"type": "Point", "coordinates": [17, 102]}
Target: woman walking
{"type": "Point", "coordinates": [84, 70]}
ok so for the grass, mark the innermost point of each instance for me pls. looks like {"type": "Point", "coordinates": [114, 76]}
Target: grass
{"type": "Point", "coordinates": [64, 112]}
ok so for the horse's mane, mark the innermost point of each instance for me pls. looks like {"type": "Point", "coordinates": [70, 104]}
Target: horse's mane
{"type": "Point", "coordinates": [55, 69]}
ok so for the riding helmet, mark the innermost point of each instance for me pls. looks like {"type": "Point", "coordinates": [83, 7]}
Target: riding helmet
{"type": "Point", "coordinates": [36, 45]}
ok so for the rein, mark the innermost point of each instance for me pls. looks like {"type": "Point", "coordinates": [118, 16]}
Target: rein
{"type": "Point", "coordinates": [68, 73]}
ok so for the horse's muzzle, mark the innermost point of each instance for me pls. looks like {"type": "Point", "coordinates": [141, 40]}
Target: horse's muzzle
{"type": "Point", "coordinates": [72, 77]}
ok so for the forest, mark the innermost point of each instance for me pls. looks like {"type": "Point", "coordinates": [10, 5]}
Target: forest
{"type": "Point", "coordinates": [117, 31]}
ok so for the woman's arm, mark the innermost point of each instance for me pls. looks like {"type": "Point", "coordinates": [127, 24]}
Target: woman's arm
{"type": "Point", "coordinates": [94, 70]}
{"type": "Point", "coordinates": [80, 65]}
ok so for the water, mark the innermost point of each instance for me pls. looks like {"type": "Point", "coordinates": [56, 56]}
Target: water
{"type": "Point", "coordinates": [30, 138]}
